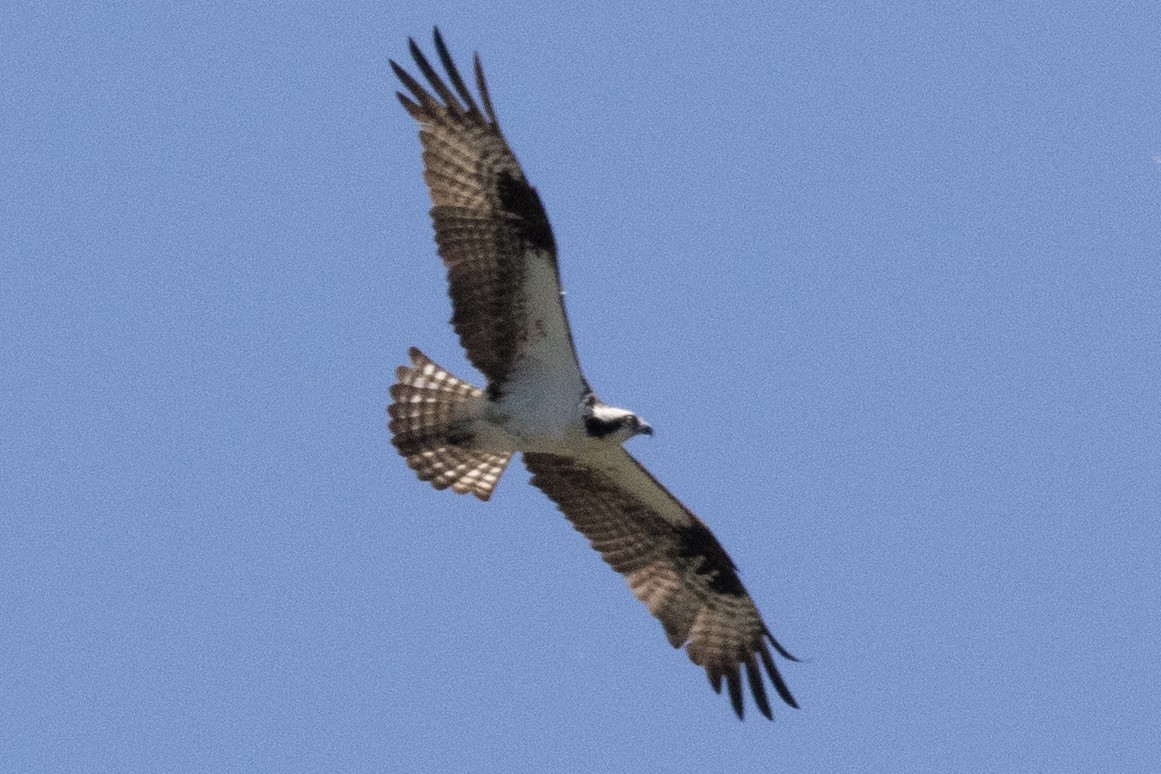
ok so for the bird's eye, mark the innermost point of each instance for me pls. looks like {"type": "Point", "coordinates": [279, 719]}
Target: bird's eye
{"type": "Point", "coordinates": [632, 422]}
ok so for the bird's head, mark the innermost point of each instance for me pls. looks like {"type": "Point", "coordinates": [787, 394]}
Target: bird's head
{"type": "Point", "coordinates": [613, 423]}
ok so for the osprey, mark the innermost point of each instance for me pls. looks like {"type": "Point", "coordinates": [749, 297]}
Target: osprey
{"type": "Point", "coordinates": [493, 236]}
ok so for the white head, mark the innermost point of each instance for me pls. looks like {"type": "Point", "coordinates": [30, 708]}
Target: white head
{"type": "Point", "coordinates": [612, 423]}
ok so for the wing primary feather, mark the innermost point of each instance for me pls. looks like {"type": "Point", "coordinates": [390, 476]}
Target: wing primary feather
{"type": "Point", "coordinates": [426, 100]}
{"type": "Point", "coordinates": [429, 72]}
{"type": "Point", "coordinates": [482, 85]}
{"type": "Point", "coordinates": [778, 646]}
{"type": "Point", "coordinates": [775, 677]}
{"type": "Point", "coordinates": [734, 683]}
{"type": "Point", "coordinates": [412, 109]}
{"type": "Point", "coordinates": [757, 687]}
{"type": "Point", "coordinates": [715, 679]}
{"type": "Point", "coordinates": [453, 72]}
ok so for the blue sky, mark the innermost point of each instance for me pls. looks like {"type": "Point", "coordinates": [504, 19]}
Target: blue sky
{"type": "Point", "coordinates": [885, 281]}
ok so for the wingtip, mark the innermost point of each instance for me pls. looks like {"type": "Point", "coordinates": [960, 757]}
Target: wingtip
{"type": "Point", "coordinates": [482, 86]}
{"type": "Point", "coordinates": [758, 688]}
{"type": "Point", "coordinates": [782, 651]}
{"type": "Point", "coordinates": [734, 685]}
{"type": "Point", "coordinates": [715, 680]}
{"type": "Point", "coordinates": [775, 676]}
{"type": "Point", "coordinates": [441, 48]}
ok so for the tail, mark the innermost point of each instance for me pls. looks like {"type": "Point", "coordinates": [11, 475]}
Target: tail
{"type": "Point", "coordinates": [426, 412]}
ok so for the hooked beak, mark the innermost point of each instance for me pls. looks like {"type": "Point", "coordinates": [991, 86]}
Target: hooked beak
{"type": "Point", "coordinates": [644, 429]}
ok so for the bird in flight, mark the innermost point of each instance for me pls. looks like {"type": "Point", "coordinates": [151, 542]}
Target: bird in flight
{"type": "Point", "coordinates": [508, 310]}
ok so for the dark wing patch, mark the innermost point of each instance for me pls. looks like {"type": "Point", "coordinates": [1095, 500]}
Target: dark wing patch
{"type": "Point", "coordinates": [697, 545]}
{"type": "Point", "coordinates": [521, 200]}
{"type": "Point", "coordinates": [678, 570]}
{"type": "Point", "coordinates": [486, 215]}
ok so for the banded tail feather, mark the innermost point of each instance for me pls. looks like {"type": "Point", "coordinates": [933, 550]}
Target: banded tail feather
{"type": "Point", "coordinates": [427, 412]}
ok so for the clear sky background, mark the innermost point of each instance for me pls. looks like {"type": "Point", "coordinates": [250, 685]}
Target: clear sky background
{"type": "Point", "coordinates": [885, 280]}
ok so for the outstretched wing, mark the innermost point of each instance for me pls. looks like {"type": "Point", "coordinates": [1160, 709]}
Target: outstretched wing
{"type": "Point", "coordinates": [672, 563]}
{"type": "Point", "coordinates": [491, 230]}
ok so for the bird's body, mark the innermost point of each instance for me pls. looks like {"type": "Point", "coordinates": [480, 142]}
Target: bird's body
{"type": "Point", "coordinates": [495, 240]}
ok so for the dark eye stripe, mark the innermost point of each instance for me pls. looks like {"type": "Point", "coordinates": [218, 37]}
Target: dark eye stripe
{"type": "Point", "coordinates": [599, 429]}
